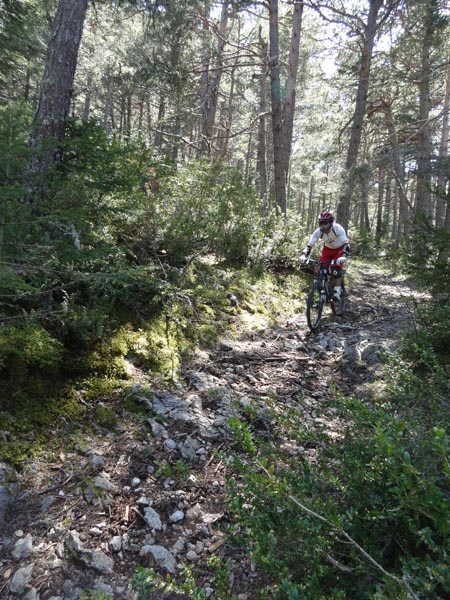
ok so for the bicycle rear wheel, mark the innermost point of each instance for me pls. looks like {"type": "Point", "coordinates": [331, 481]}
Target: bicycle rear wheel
{"type": "Point", "coordinates": [314, 307]}
{"type": "Point", "coordinates": [338, 308]}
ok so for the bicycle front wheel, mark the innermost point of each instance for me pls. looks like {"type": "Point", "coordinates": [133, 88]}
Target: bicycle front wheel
{"type": "Point", "coordinates": [338, 308]}
{"type": "Point", "coordinates": [314, 307]}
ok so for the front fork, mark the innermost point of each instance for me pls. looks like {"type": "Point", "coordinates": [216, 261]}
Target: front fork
{"type": "Point", "coordinates": [323, 291]}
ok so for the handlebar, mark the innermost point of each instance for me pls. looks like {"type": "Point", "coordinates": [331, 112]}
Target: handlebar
{"type": "Point", "coordinates": [324, 263]}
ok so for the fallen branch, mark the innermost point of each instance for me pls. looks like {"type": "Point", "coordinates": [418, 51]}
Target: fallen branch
{"type": "Point", "coordinates": [402, 582]}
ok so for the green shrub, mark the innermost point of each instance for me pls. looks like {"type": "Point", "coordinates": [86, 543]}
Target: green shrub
{"type": "Point", "coordinates": [380, 490]}
{"type": "Point", "coordinates": [277, 242]}
{"type": "Point", "coordinates": [29, 347]}
{"type": "Point", "coordinates": [203, 209]}
{"type": "Point", "coordinates": [146, 582]}
{"type": "Point", "coordinates": [428, 257]}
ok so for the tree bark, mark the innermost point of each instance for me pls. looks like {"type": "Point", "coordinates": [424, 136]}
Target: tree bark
{"type": "Point", "coordinates": [277, 109]}
{"type": "Point", "coordinates": [283, 109]}
{"type": "Point", "coordinates": [160, 124]}
{"type": "Point", "coordinates": [381, 186]}
{"type": "Point", "coordinates": [289, 102]}
{"type": "Point", "coordinates": [108, 114]}
{"type": "Point", "coordinates": [311, 209]}
{"type": "Point", "coordinates": [403, 204]}
{"type": "Point", "coordinates": [441, 203]}
{"type": "Point", "coordinates": [261, 153]}
{"type": "Point", "coordinates": [210, 86]}
{"type": "Point", "coordinates": [87, 98]}
{"type": "Point", "coordinates": [447, 213]}
{"type": "Point", "coordinates": [52, 113]}
{"type": "Point", "coordinates": [368, 40]}
{"type": "Point", "coordinates": [423, 148]}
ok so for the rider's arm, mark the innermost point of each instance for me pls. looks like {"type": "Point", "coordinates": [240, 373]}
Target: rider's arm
{"type": "Point", "coordinates": [314, 238]}
{"type": "Point", "coordinates": [307, 249]}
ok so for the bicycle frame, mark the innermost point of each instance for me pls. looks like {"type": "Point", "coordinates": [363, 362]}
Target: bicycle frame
{"type": "Point", "coordinates": [321, 293]}
{"type": "Point", "coordinates": [324, 276]}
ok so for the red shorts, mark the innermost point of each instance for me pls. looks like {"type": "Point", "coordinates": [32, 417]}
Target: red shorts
{"type": "Point", "coordinates": [332, 254]}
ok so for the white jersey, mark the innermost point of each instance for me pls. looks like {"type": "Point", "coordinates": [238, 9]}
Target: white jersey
{"type": "Point", "coordinates": [334, 238]}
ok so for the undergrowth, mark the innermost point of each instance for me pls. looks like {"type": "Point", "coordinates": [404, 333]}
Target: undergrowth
{"type": "Point", "coordinates": [369, 517]}
{"type": "Point", "coordinates": [87, 354]}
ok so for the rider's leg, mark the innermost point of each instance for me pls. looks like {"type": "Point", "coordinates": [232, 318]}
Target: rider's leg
{"type": "Point", "coordinates": [337, 283]}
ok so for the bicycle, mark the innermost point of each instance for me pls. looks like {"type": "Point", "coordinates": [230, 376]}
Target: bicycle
{"type": "Point", "coordinates": [321, 293]}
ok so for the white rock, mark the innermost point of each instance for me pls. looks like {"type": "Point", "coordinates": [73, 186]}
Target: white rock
{"type": "Point", "coordinates": [161, 556]}
{"type": "Point", "coordinates": [116, 543]}
{"type": "Point", "coordinates": [54, 562]}
{"type": "Point", "coordinates": [31, 595]}
{"type": "Point", "coordinates": [177, 516]}
{"type": "Point", "coordinates": [104, 483]}
{"type": "Point", "coordinates": [20, 579]}
{"type": "Point", "coordinates": [157, 429]}
{"type": "Point", "coordinates": [99, 561]}
{"type": "Point", "coordinates": [23, 547]}
{"type": "Point", "coordinates": [152, 518]}
{"type": "Point", "coordinates": [178, 546]}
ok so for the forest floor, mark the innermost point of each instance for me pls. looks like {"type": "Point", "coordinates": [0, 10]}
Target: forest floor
{"type": "Point", "coordinates": [149, 489]}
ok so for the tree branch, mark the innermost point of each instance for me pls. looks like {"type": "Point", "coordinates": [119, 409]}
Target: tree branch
{"type": "Point", "coordinates": [402, 582]}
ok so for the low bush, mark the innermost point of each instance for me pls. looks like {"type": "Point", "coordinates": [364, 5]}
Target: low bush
{"type": "Point", "coordinates": [369, 516]}
{"type": "Point", "coordinates": [427, 258]}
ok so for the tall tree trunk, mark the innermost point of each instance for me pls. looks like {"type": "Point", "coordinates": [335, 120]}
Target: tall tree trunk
{"type": "Point", "coordinates": [277, 109]}
{"type": "Point", "coordinates": [140, 123]}
{"type": "Point", "coordinates": [211, 86]}
{"type": "Point", "coordinates": [447, 213]}
{"type": "Point", "coordinates": [204, 84]}
{"type": "Point", "coordinates": [52, 113]}
{"type": "Point", "coordinates": [177, 134]}
{"type": "Point", "coordinates": [443, 154]}
{"type": "Point", "coordinates": [160, 124]}
{"type": "Point", "coordinates": [122, 119]}
{"type": "Point", "coordinates": [248, 159]}
{"type": "Point", "coordinates": [228, 114]}
{"type": "Point", "coordinates": [87, 99]}
{"type": "Point", "coordinates": [364, 218]}
{"type": "Point", "coordinates": [261, 154]}
{"type": "Point", "coordinates": [384, 107]}
{"type": "Point", "coordinates": [283, 110]}
{"type": "Point", "coordinates": [387, 217]}
{"type": "Point", "coordinates": [27, 86]}
{"type": "Point", "coordinates": [108, 110]}
{"type": "Point", "coordinates": [393, 193]}
{"type": "Point", "coordinates": [423, 147]}
{"type": "Point", "coordinates": [379, 219]}
{"type": "Point", "coordinates": [311, 216]}
{"type": "Point", "coordinates": [289, 101]}
{"type": "Point", "coordinates": [128, 116]}
{"type": "Point", "coordinates": [149, 119]}
{"type": "Point", "coordinates": [368, 40]}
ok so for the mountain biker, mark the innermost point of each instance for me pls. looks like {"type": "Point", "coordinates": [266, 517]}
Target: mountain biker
{"type": "Point", "coordinates": [336, 247]}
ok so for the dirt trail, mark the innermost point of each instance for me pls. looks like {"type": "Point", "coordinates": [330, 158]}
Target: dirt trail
{"type": "Point", "coordinates": [86, 517]}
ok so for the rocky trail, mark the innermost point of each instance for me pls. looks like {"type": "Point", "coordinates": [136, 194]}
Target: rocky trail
{"type": "Point", "coordinates": [150, 490]}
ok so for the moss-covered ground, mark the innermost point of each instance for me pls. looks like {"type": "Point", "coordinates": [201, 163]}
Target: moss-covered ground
{"type": "Point", "coordinates": [63, 395]}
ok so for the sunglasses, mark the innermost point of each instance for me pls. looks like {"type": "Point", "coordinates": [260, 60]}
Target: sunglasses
{"type": "Point", "coordinates": [324, 223]}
